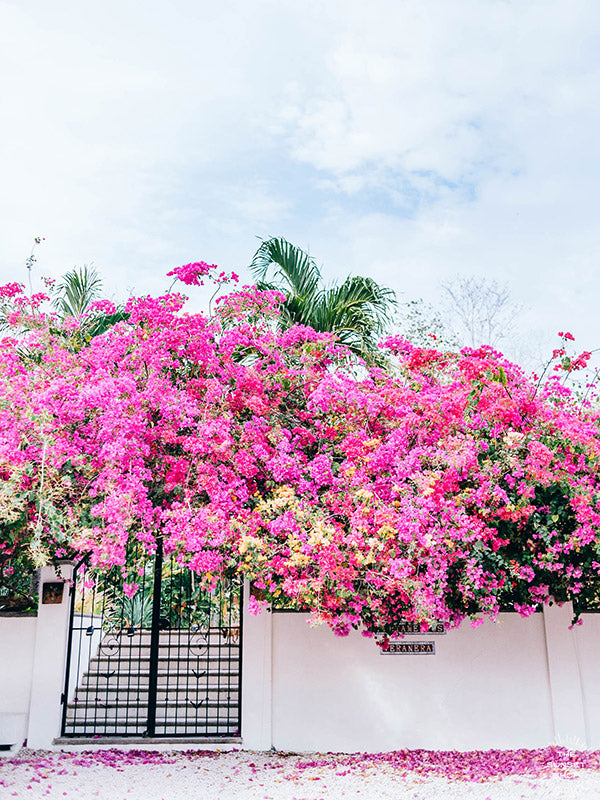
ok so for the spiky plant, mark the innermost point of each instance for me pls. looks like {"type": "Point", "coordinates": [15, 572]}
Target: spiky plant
{"type": "Point", "coordinates": [73, 297]}
{"type": "Point", "coordinates": [357, 311]}
{"type": "Point", "coordinates": [77, 291]}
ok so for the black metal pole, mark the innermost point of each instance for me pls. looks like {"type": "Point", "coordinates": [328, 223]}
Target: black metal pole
{"type": "Point", "coordinates": [65, 695]}
{"type": "Point", "coordinates": [154, 641]}
{"type": "Point", "coordinates": [240, 651]}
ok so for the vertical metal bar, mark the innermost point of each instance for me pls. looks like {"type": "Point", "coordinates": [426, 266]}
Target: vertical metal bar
{"type": "Point", "coordinates": [125, 645]}
{"type": "Point", "coordinates": [109, 655]}
{"type": "Point", "coordinates": [78, 673]}
{"type": "Point", "coordinates": [220, 632]}
{"type": "Point", "coordinates": [142, 658]}
{"type": "Point", "coordinates": [208, 653]}
{"type": "Point", "coordinates": [89, 699]}
{"type": "Point", "coordinates": [230, 645]}
{"type": "Point", "coordinates": [240, 600]}
{"type": "Point", "coordinates": [135, 659]}
{"type": "Point", "coordinates": [181, 598]}
{"type": "Point", "coordinates": [154, 640]}
{"type": "Point", "coordinates": [169, 688]}
{"type": "Point", "coordinates": [65, 697]}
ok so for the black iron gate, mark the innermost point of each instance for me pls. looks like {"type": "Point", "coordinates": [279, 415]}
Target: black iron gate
{"type": "Point", "coordinates": [161, 658]}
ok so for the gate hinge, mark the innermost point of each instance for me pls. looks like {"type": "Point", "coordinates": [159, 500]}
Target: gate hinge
{"type": "Point", "coordinates": [62, 699]}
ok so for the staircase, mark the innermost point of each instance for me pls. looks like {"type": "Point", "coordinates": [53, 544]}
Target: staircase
{"type": "Point", "coordinates": [197, 685]}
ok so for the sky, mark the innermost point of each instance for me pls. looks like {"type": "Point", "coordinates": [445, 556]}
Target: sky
{"type": "Point", "coordinates": [407, 140]}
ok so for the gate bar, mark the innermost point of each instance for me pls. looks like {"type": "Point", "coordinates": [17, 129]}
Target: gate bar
{"type": "Point", "coordinates": [154, 640]}
{"type": "Point", "coordinates": [65, 695]}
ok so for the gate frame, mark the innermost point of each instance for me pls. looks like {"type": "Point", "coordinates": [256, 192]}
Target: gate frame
{"type": "Point", "coordinates": [150, 732]}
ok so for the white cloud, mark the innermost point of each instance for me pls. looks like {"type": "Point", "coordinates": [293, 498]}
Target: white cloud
{"type": "Point", "coordinates": [408, 139]}
{"type": "Point", "coordinates": [453, 89]}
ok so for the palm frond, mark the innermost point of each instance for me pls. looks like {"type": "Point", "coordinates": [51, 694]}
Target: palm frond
{"type": "Point", "coordinates": [291, 268]}
{"type": "Point", "coordinates": [77, 290]}
{"type": "Point", "coordinates": [364, 296]}
{"type": "Point", "coordinates": [100, 324]}
{"type": "Point", "coordinates": [358, 311]}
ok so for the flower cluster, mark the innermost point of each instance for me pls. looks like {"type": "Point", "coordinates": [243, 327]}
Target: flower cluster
{"type": "Point", "coordinates": [10, 290]}
{"type": "Point", "coordinates": [193, 274]}
{"type": "Point", "coordinates": [103, 307]}
{"type": "Point", "coordinates": [48, 770]}
{"type": "Point", "coordinates": [447, 487]}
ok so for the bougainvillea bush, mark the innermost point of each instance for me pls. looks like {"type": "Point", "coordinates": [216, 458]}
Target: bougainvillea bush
{"type": "Point", "coordinates": [445, 487]}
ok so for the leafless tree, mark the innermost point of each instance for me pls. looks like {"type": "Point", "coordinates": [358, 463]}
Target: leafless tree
{"type": "Point", "coordinates": [481, 311]}
{"type": "Point", "coordinates": [424, 326]}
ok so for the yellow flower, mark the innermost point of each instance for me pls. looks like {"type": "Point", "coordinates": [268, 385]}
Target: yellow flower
{"type": "Point", "coordinates": [386, 531]}
{"type": "Point", "coordinates": [299, 559]}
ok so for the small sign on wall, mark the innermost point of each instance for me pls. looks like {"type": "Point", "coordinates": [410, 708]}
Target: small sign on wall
{"type": "Point", "coordinates": [414, 629]}
{"type": "Point", "coordinates": [52, 593]}
{"type": "Point", "coordinates": [409, 648]}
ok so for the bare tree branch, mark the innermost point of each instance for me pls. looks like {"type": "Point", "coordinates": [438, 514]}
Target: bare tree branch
{"type": "Point", "coordinates": [482, 311]}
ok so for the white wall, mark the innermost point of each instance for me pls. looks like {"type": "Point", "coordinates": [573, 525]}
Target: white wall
{"type": "Point", "coordinates": [83, 649]}
{"type": "Point", "coordinates": [587, 643]}
{"type": "Point", "coordinates": [17, 643]}
{"type": "Point", "coordinates": [486, 687]}
{"type": "Point", "coordinates": [257, 659]}
{"type": "Point", "coordinates": [49, 662]}
{"type": "Point", "coordinates": [513, 683]}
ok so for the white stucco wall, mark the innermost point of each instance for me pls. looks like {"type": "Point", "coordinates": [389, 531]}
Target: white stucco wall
{"type": "Point", "coordinates": [486, 687]}
{"type": "Point", "coordinates": [587, 643]}
{"type": "Point", "coordinates": [17, 644]}
{"type": "Point", "coordinates": [49, 663]}
{"type": "Point", "coordinates": [513, 683]}
{"type": "Point", "coordinates": [83, 649]}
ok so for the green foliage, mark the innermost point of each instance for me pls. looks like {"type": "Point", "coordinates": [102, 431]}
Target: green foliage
{"type": "Point", "coordinates": [423, 326]}
{"type": "Point", "coordinates": [358, 311]}
{"type": "Point", "coordinates": [17, 573]}
{"type": "Point", "coordinates": [73, 297]}
{"type": "Point", "coordinates": [184, 600]}
{"type": "Point", "coordinates": [77, 291]}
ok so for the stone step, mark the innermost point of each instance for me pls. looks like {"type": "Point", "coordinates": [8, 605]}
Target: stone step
{"type": "Point", "coordinates": [228, 654]}
{"type": "Point", "coordinates": [215, 656]}
{"type": "Point", "coordinates": [222, 637]}
{"type": "Point", "coordinates": [114, 670]}
{"type": "Point", "coordinates": [124, 690]}
{"type": "Point", "coordinates": [122, 698]}
{"type": "Point", "coordinates": [125, 670]}
{"type": "Point", "coordinates": [165, 680]}
{"type": "Point", "coordinates": [182, 645]}
{"type": "Point", "coordinates": [170, 706]}
{"type": "Point", "coordinates": [213, 741]}
{"type": "Point", "coordinates": [138, 728]}
{"type": "Point", "coordinates": [222, 633]}
{"type": "Point", "coordinates": [93, 716]}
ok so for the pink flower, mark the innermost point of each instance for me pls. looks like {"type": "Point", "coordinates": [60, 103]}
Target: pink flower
{"type": "Point", "coordinates": [103, 307]}
{"type": "Point", "coordinates": [11, 290]}
{"type": "Point", "coordinates": [256, 606]}
{"type": "Point", "coordinates": [192, 274]}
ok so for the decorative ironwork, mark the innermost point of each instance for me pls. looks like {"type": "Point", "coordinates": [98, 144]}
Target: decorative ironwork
{"type": "Point", "coordinates": [162, 663]}
{"type": "Point", "coordinates": [198, 643]}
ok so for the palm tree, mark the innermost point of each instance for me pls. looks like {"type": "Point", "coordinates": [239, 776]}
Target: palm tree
{"type": "Point", "coordinates": [77, 291]}
{"type": "Point", "coordinates": [74, 296]}
{"type": "Point", "coordinates": [357, 311]}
